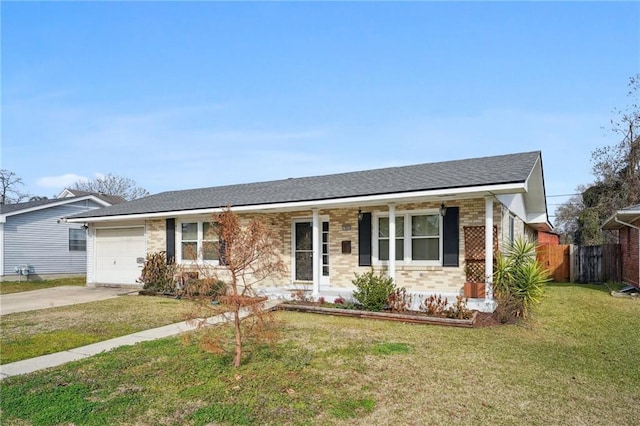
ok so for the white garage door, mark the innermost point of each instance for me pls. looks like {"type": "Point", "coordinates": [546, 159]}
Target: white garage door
{"type": "Point", "coordinates": [119, 253]}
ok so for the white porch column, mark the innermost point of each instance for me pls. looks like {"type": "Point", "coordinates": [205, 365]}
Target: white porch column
{"type": "Point", "coordinates": [317, 258]}
{"type": "Point", "coordinates": [392, 241]}
{"type": "Point", "coordinates": [488, 249]}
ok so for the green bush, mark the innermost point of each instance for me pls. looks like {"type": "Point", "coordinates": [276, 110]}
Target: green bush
{"type": "Point", "coordinates": [519, 279]}
{"type": "Point", "coordinates": [157, 274]}
{"type": "Point", "coordinates": [373, 290]}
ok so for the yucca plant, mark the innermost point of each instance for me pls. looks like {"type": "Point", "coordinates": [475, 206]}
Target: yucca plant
{"type": "Point", "coordinates": [519, 279]}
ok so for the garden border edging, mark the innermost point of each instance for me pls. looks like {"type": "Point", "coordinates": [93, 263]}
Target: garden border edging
{"type": "Point", "coordinates": [390, 316]}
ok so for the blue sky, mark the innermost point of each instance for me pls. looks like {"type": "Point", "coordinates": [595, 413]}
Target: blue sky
{"type": "Point", "coordinates": [194, 94]}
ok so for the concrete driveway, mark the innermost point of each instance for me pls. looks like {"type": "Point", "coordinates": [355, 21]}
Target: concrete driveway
{"type": "Point", "coordinates": [56, 296]}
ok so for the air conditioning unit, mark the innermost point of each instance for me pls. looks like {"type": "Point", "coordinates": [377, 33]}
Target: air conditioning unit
{"type": "Point", "coordinates": [23, 270]}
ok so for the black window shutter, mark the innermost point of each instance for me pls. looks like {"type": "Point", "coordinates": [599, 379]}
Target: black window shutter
{"type": "Point", "coordinates": [171, 240]}
{"type": "Point", "coordinates": [450, 243]}
{"type": "Point", "coordinates": [364, 240]}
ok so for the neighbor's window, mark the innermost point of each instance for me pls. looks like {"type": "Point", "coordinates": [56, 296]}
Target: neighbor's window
{"type": "Point", "coordinates": [77, 240]}
{"type": "Point", "coordinates": [423, 237]}
{"type": "Point", "coordinates": [198, 241]}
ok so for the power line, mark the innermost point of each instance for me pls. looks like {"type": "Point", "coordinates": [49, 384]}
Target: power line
{"type": "Point", "coordinates": [562, 195]}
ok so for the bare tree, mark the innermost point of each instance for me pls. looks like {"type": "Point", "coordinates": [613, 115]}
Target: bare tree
{"type": "Point", "coordinates": [618, 166]}
{"type": "Point", "coordinates": [567, 215]}
{"type": "Point", "coordinates": [616, 169]}
{"type": "Point", "coordinates": [112, 185]}
{"type": "Point", "coordinates": [248, 255]}
{"type": "Point", "coordinates": [9, 187]}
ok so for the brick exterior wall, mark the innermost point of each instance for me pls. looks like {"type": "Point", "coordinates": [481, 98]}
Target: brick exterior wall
{"type": "Point", "coordinates": [630, 256]}
{"type": "Point", "coordinates": [156, 235]}
{"type": "Point", "coordinates": [343, 226]}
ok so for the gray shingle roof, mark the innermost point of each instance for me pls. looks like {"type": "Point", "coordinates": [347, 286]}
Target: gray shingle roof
{"type": "Point", "coordinates": [503, 169]}
{"type": "Point", "coordinates": [9, 208]}
{"type": "Point", "coordinates": [111, 199]}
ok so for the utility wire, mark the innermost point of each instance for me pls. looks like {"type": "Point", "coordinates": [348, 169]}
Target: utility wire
{"type": "Point", "coordinates": [562, 195]}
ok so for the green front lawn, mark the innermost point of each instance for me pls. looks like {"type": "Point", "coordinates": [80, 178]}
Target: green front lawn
{"type": "Point", "coordinates": [573, 363]}
{"type": "Point", "coordinates": [34, 333]}
{"type": "Point", "coordinates": [18, 286]}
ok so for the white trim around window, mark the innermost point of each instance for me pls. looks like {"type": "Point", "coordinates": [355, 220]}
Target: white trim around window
{"type": "Point", "coordinates": [77, 239]}
{"type": "Point", "coordinates": [512, 227]}
{"type": "Point", "coordinates": [197, 234]}
{"type": "Point", "coordinates": [406, 218]}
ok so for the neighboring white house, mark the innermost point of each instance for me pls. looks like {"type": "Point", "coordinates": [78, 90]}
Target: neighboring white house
{"type": "Point", "coordinates": [447, 220]}
{"type": "Point", "coordinates": [36, 243]}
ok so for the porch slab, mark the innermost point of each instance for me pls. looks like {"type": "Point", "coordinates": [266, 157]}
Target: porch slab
{"type": "Point", "coordinates": [286, 293]}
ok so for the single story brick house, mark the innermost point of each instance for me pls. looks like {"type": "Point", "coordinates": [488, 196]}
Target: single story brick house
{"type": "Point", "coordinates": [627, 223]}
{"type": "Point", "coordinates": [448, 219]}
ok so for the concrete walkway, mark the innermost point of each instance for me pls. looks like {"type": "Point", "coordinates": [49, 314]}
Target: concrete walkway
{"type": "Point", "coordinates": [53, 360]}
{"type": "Point", "coordinates": [56, 296]}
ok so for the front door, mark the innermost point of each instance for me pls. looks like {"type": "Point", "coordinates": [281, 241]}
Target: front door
{"type": "Point", "coordinates": [303, 251]}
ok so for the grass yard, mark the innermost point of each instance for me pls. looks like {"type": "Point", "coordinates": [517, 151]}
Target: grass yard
{"type": "Point", "coordinates": [574, 363]}
{"type": "Point", "coordinates": [34, 333]}
{"type": "Point", "coordinates": [7, 287]}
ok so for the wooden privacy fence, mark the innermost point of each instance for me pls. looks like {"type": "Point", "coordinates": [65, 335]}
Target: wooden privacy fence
{"type": "Point", "coordinates": [557, 260]}
{"type": "Point", "coordinates": [597, 264]}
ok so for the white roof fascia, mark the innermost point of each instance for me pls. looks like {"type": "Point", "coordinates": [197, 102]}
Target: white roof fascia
{"type": "Point", "coordinates": [65, 193]}
{"type": "Point", "coordinates": [61, 202]}
{"type": "Point", "coordinates": [539, 219]}
{"type": "Point", "coordinates": [526, 182]}
{"type": "Point", "coordinates": [451, 193]}
{"type": "Point", "coordinates": [535, 189]}
{"type": "Point", "coordinates": [609, 219]}
{"type": "Point", "coordinates": [515, 204]}
{"type": "Point", "coordinates": [626, 213]}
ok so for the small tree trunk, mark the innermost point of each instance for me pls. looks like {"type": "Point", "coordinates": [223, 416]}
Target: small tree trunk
{"type": "Point", "coordinates": [236, 317]}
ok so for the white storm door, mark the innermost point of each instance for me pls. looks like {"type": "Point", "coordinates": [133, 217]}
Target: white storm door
{"type": "Point", "coordinates": [303, 251]}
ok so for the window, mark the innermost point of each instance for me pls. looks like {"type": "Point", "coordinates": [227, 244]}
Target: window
{"type": "Point", "coordinates": [422, 242]}
{"type": "Point", "coordinates": [199, 241]}
{"type": "Point", "coordinates": [511, 228]}
{"type": "Point", "coordinates": [383, 238]}
{"type": "Point", "coordinates": [210, 249]}
{"type": "Point", "coordinates": [77, 240]}
{"type": "Point", "coordinates": [425, 237]}
{"type": "Point", "coordinates": [189, 246]}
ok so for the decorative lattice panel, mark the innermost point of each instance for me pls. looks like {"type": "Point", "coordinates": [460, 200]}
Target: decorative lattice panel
{"type": "Point", "coordinates": [474, 254]}
{"type": "Point", "coordinates": [475, 271]}
{"type": "Point", "coordinates": [474, 242]}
